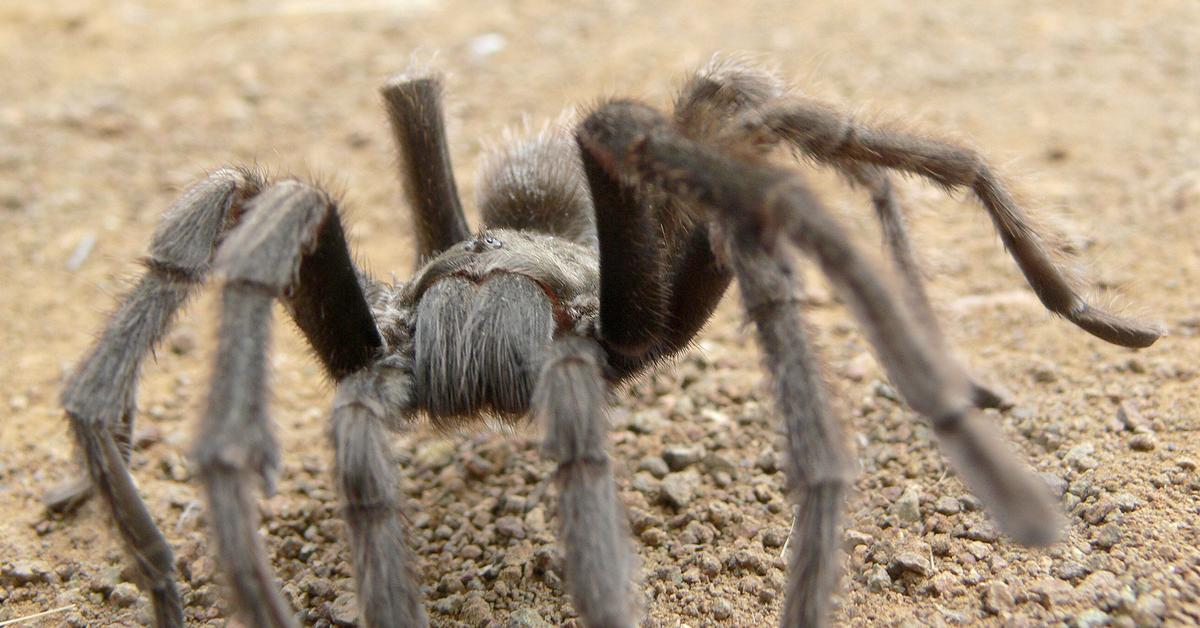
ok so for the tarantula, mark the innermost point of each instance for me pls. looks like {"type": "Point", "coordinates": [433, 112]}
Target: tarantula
{"type": "Point", "coordinates": [601, 255]}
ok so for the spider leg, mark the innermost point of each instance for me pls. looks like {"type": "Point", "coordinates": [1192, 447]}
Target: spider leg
{"type": "Point", "coordinates": [895, 236]}
{"type": "Point", "coordinates": [99, 397]}
{"type": "Point", "coordinates": [660, 277]}
{"type": "Point", "coordinates": [633, 290]}
{"type": "Point", "coordinates": [634, 141]}
{"type": "Point", "coordinates": [707, 109]}
{"type": "Point", "coordinates": [289, 246]}
{"type": "Point", "coordinates": [833, 138]}
{"type": "Point", "coordinates": [363, 410]}
{"type": "Point", "coordinates": [819, 466]}
{"type": "Point", "coordinates": [570, 401]}
{"type": "Point", "coordinates": [414, 109]}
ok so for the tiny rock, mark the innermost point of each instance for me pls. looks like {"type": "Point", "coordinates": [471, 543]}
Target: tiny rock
{"type": "Point", "coordinates": [654, 465]}
{"type": "Point", "coordinates": [344, 610]}
{"type": "Point", "coordinates": [909, 562]}
{"type": "Point", "coordinates": [1149, 611]}
{"type": "Point", "coordinates": [908, 506]}
{"type": "Point", "coordinates": [24, 572]}
{"type": "Point", "coordinates": [1143, 442]}
{"type": "Point", "coordinates": [947, 505]}
{"type": "Point", "coordinates": [680, 458]}
{"type": "Point", "coordinates": [1109, 536]}
{"type": "Point", "coordinates": [678, 489]}
{"type": "Point", "coordinates": [997, 598]}
{"type": "Point", "coordinates": [1080, 457]}
{"type": "Point", "coordinates": [774, 537]}
{"type": "Point", "coordinates": [878, 579]}
{"type": "Point", "coordinates": [526, 618]}
{"type": "Point", "coordinates": [476, 611]}
{"type": "Point", "coordinates": [510, 527]}
{"type": "Point", "coordinates": [1091, 618]}
{"type": "Point", "coordinates": [1131, 419]}
{"type": "Point", "coordinates": [124, 595]}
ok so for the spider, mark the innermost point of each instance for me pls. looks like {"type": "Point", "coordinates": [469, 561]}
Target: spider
{"type": "Point", "coordinates": [601, 255]}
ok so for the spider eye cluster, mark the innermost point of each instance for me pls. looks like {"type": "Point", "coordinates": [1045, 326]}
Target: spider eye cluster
{"type": "Point", "coordinates": [482, 243]}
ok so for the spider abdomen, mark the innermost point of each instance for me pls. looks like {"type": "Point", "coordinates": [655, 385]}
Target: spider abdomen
{"type": "Point", "coordinates": [478, 345]}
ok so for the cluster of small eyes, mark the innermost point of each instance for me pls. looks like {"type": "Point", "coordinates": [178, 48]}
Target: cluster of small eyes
{"type": "Point", "coordinates": [481, 243]}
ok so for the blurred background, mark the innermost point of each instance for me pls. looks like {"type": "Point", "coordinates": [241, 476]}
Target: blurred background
{"type": "Point", "coordinates": [1091, 108]}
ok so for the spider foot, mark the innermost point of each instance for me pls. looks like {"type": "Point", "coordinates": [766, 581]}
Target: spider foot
{"type": "Point", "coordinates": [67, 496]}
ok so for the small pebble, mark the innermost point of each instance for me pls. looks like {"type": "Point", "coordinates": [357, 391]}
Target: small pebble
{"type": "Point", "coordinates": [435, 454]}
{"type": "Point", "coordinates": [526, 618]}
{"type": "Point", "coordinates": [997, 598]}
{"type": "Point", "coordinates": [1058, 486]}
{"type": "Point", "coordinates": [124, 595]}
{"type": "Point", "coordinates": [774, 537]}
{"type": "Point", "coordinates": [1091, 618]}
{"type": "Point", "coordinates": [653, 537]}
{"type": "Point", "coordinates": [768, 462]}
{"type": "Point", "coordinates": [475, 610]}
{"type": "Point", "coordinates": [654, 465]}
{"type": "Point", "coordinates": [878, 579]}
{"type": "Point", "coordinates": [1109, 536]}
{"type": "Point", "coordinates": [908, 506]}
{"type": "Point", "coordinates": [680, 458]}
{"type": "Point", "coordinates": [510, 527]}
{"type": "Point", "coordinates": [24, 572]}
{"type": "Point", "coordinates": [1070, 570]}
{"type": "Point", "coordinates": [678, 489]}
{"type": "Point", "coordinates": [709, 565]}
{"type": "Point", "coordinates": [1131, 419]}
{"type": "Point", "coordinates": [854, 538]}
{"type": "Point", "coordinates": [344, 610]}
{"type": "Point", "coordinates": [1143, 442]}
{"type": "Point", "coordinates": [1149, 611]}
{"type": "Point", "coordinates": [722, 609]}
{"type": "Point", "coordinates": [909, 562]}
{"type": "Point", "coordinates": [1080, 457]}
{"type": "Point", "coordinates": [947, 505]}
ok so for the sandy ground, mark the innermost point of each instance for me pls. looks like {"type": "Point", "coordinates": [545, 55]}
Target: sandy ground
{"type": "Point", "coordinates": [109, 108]}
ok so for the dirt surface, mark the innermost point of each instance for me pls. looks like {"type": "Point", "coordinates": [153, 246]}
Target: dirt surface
{"type": "Point", "coordinates": [109, 108]}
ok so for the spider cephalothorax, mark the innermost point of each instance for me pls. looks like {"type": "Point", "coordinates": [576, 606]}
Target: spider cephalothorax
{"type": "Point", "coordinates": [600, 255]}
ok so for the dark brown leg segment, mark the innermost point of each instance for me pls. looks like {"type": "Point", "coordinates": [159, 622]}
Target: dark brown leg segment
{"type": "Point", "coordinates": [414, 105]}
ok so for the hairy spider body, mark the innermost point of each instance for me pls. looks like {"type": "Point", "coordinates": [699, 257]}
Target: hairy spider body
{"type": "Point", "coordinates": [599, 255]}
{"type": "Point", "coordinates": [486, 310]}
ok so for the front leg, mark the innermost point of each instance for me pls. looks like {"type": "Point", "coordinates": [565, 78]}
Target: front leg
{"type": "Point", "coordinates": [99, 397]}
{"type": "Point", "coordinates": [290, 246]}
{"type": "Point", "coordinates": [364, 411]}
{"type": "Point", "coordinates": [569, 402]}
{"type": "Point", "coordinates": [659, 277]}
